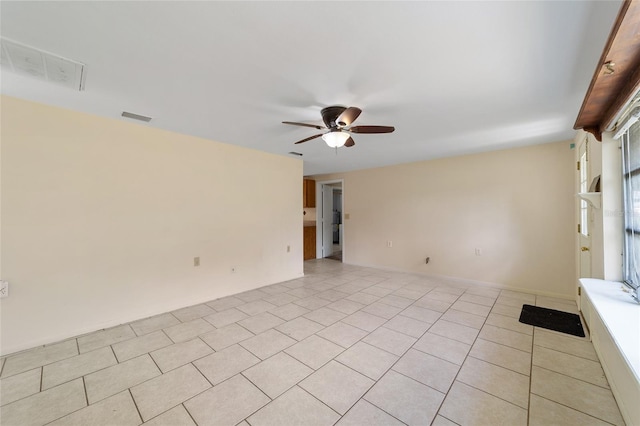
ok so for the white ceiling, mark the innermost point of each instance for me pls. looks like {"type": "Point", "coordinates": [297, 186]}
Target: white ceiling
{"type": "Point", "coordinates": [452, 77]}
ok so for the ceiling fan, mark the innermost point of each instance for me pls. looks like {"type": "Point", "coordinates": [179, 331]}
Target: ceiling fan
{"type": "Point", "coordinates": [338, 119]}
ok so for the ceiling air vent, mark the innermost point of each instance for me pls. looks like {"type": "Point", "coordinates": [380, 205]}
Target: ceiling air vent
{"type": "Point", "coordinates": [42, 65]}
{"type": "Point", "coordinates": [136, 116]}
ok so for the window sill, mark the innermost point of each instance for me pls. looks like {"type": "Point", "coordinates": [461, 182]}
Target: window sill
{"type": "Point", "coordinates": [620, 315]}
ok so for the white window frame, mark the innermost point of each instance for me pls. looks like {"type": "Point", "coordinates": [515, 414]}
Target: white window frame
{"type": "Point", "coordinates": [631, 201]}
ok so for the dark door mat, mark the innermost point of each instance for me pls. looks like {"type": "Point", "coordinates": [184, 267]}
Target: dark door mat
{"type": "Point", "coordinates": [564, 322]}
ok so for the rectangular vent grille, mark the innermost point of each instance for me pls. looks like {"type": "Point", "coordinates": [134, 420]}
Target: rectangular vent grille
{"type": "Point", "coordinates": [136, 116]}
{"type": "Point", "coordinates": [42, 65]}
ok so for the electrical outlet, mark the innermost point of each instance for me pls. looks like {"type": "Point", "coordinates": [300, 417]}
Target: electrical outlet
{"type": "Point", "coordinates": [4, 289]}
{"type": "Point", "coordinates": [196, 261]}
{"type": "Point", "coordinates": [389, 243]}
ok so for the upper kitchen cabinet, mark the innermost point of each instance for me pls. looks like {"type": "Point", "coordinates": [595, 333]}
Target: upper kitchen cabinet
{"type": "Point", "coordinates": [308, 193]}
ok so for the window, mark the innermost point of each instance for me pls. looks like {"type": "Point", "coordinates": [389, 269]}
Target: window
{"type": "Point", "coordinates": [631, 200]}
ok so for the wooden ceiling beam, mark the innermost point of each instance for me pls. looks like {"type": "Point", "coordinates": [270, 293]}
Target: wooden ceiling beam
{"type": "Point", "coordinates": [617, 76]}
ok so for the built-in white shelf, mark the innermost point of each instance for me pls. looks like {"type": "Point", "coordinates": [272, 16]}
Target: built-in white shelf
{"type": "Point", "coordinates": [593, 198]}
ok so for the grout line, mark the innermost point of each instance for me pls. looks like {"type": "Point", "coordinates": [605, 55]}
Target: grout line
{"type": "Point", "coordinates": [566, 353]}
{"type": "Point", "coordinates": [417, 381]}
{"type": "Point", "coordinates": [574, 378]}
{"type": "Point", "coordinates": [444, 417]}
{"type": "Point", "coordinates": [459, 325]}
{"type": "Point", "coordinates": [362, 398]}
{"type": "Point", "coordinates": [203, 341]}
{"type": "Point", "coordinates": [314, 369]}
{"type": "Point", "coordinates": [156, 364]}
{"type": "Point", "coordinates": [114, 354]}
{"type": "Point", "coordinates": [405, 334]}
{"type": "Point", "coordinates": [438, 414]}
{"type": "Point", "coordinates": [533, 337]}
{"type": "Point", "coordinates": [495, 396]}
{"type": "Point", "coordinates": [322, 402]}
{"type": "Point", "coordinates": [136, 405]}
{"type": "Point", "coordinates": [502, 366]}
{"type": "Point", "coordinates": [263, 392]}
{"type": "Point", "coordinates": [203, 375]}
{"type": "Point", "coordinates": [502, 344]}
{"type": "Point", "coordinates": [86, 395]}
{"type": "Point", "coordinates": [508, 329]}
{"type": "Point", "coordinates": [188, 413]}
{"type": "Point", "coordinates": [572, 408]}
{"type": "Point", "coordinates": [356, 371]}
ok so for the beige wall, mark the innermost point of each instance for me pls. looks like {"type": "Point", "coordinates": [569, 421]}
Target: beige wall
{"type": "Point", "coordinates": [101, 220]}
{"type": "Point", "coordinates": [516, 206]}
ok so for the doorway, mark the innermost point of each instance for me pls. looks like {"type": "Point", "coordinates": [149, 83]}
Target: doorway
{"type": "Point", "coordinates": [330, 215]}
{"type": "Point", "coordinates": [584, 214]}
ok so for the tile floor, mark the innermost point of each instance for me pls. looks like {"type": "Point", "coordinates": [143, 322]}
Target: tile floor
{"type": "Point", "coordinates": [344, 345]}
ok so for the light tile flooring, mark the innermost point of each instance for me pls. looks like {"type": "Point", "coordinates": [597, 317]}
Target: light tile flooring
{"type": "Point", "coordinates": [344, 345]}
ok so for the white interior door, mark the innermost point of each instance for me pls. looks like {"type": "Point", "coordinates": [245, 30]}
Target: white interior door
{"type": "Point", "coordinates": [327, 220]}
{"type": "Point", "coordinates": [584, 220]}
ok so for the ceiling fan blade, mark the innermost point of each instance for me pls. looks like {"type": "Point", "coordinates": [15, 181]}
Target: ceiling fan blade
{"type": "Point", "coordinates": [293, 123]}
{"type": "Point", "coordinates": [350, 142]}
{"type": "Point", "coordinates": [372, 129]}
{"type": "Point", "coordinates": [309, 138]}
{"type": "Point", "coordinates": [348, 116]}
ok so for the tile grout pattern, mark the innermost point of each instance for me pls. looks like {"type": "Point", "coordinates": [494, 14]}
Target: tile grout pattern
{"type": "Point", "coordinates": [343, 345]}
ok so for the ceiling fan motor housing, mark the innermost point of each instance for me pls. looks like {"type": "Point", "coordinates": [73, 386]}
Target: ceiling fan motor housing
{"type": "Point", "coordinates": [330, 115]}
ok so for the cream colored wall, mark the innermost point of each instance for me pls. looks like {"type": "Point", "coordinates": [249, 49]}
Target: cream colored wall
{"type": "Point", "coordinates": [516, 205]}
{"type": "Point", "coordinates": [101, 220]}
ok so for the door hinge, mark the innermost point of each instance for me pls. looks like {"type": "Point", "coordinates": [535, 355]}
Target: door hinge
{"type": "Point", "coordinates": [578, 165]}
{"type": "Point", "coordinates": [579, 291]}
{"type": "Point", "coordinates": [579, 228]}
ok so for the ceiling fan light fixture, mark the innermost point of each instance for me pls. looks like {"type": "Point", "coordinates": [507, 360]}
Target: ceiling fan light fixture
{"type": "Point", "coordinates": [335, 138]}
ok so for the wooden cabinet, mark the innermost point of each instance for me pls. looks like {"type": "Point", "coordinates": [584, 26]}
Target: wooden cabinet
{"type": "Point", "coordinates": [309, 242]}
{"type": "Point", "coordinates": [308, 193]}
